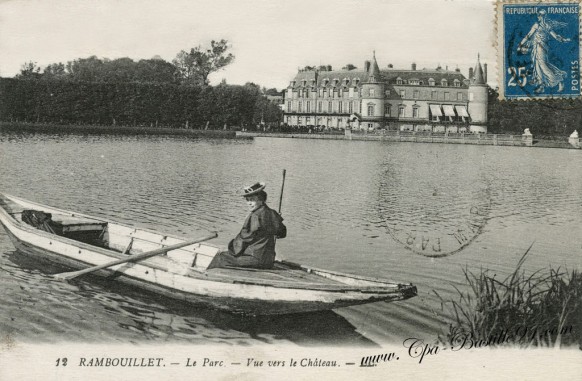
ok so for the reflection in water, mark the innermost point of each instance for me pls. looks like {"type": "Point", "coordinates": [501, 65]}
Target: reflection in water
{"type": "Point", "coordinates": [154, 317]}
{"type": "Point", "coordinates": [365, 208]}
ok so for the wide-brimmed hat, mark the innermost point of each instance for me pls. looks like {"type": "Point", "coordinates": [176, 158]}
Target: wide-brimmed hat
{"type": "Point", "coordinates": [253, 189]}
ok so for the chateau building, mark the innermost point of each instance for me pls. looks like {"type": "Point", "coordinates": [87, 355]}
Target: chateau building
{"type": "Point", "coordinates": [435, 100]}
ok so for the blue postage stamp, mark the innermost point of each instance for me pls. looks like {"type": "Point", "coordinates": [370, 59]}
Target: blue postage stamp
{"type": "Point", "coordinates": [540, 47]}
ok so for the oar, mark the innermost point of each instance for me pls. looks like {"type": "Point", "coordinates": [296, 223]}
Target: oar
{"type": "Point", "coordinates": [282, 187]}
{"type": "Point", "coordinates": [133, 258]}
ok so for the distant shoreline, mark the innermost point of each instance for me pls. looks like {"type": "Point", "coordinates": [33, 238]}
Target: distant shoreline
{"type": "Point", "coordinates": [392, 136]}
{"type": "Point", "coordinates": [126, 130]}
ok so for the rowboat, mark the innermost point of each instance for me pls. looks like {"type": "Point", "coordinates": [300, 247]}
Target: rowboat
{"type": "Point", "coordinates": [78, 241]}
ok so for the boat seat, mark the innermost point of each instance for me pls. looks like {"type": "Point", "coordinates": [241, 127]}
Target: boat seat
{"type": "Point", "coordinates": [68, 224]}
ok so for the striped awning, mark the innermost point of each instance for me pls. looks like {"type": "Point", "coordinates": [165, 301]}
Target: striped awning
{"type": "Point", "coordinates": [462, 111]}
{"type": "Point", "coordinates": [435, 110]}
{"type": "Point", "coordinates": [448, 109]}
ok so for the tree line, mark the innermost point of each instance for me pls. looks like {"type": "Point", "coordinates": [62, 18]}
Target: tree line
{"type": "Point", "coordinates": [124, 92]}
{"type": "Point", "coordinates": [135, 104]}
{"type": "Point", "coordinates": [545, 118]}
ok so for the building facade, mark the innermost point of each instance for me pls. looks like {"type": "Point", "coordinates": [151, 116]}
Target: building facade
{"type": "Point", "coordinates": [435, 100]}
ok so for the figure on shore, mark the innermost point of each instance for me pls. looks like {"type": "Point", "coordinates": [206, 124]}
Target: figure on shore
{"type": "Point", "coordinates": [545, 74]}
{"type": "Point", "coordinates": [254, 246]}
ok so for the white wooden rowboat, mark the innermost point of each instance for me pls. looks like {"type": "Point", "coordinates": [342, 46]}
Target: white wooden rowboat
{"type": "Point", "coordinates": [82, 241]}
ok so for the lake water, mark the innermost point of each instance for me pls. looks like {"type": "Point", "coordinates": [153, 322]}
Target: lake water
{"type": "Point", "coordinates": [407, 212]}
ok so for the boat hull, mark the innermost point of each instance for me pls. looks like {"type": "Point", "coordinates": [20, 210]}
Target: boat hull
{"type": "Point", "coordinates": [234, 295]}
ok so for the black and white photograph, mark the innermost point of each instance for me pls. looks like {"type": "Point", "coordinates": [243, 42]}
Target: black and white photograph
{"type": "Point", "coordinates": [349, 189]}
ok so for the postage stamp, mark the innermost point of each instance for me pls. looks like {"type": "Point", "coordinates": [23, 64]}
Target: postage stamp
{"type": "Point", "coordinates": [538, 49]}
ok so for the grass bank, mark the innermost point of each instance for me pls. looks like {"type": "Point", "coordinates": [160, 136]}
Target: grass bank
{"type": "Point", "coordinates": [542, 309]}
{"type": "Point", "coordinates": [125, 130]}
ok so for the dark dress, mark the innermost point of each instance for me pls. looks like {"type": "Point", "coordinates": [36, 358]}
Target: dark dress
{"type": "Point", "coordinates": [254, 246]}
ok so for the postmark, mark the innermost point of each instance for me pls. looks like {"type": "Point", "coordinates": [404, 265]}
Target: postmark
{"type": "Point", "coordinates": [538, 49]}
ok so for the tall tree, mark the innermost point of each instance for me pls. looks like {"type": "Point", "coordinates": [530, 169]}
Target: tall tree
{"type": "Point", "coordinates": [195, 66]}
{"type": "Point", "coordinates": [29, 70]}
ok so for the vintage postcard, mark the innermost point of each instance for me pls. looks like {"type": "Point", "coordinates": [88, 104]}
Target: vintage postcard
{"type": "Point", "coordinates": [356, 189]}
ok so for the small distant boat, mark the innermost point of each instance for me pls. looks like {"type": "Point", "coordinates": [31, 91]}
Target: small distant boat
{"type": "Point", "coordinates": [78, 241]}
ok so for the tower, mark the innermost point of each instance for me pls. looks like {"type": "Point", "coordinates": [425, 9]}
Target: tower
{"type": "Point", "coordinates": [478, 99]}
{"type": "Point", "coordinates": [372, 97]}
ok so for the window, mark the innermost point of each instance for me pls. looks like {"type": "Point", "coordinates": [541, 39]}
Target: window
{"type": "Point", "coordinates": [459, 96]}
{"type": "Point", "coordinates": [340, 93]}
{"type": "Point", "coordinates": [416, 94]}
{"type": "Point", "coordinates": [319, 108]}
{"type": "Point", "coordinates": [399, 81]}
{"type": "Point", "coordinates": [457, 83]}
{"type": "Point", "coordinates": [360, 107]}
{"type": "Point", "coordinates": [444, 82]}
{"type": "Point", "coordinates": [387, 110]}
{"type": "Point", "coordinates": [328, 106]}
{"type": "Point", "coordinates": [356, 94]}
{"type": "Point", "coordinates": [308, 120]}
{"type": "Point", "coordinates": [414, 82]}
{"type": "Point", "coordinates": [340, 107]}
{"type": "Point", "coordinates": [370, 109]}
{"type": "Point", "coordinates": [351, 107]}
{"type": "Point", "coordinates": [300, 93]}
{"type": "Point", "coordinates": [401, 112]}
{"type": "Point", "coordinates": [289, 106]}
{"type": "Point", "coordinates": [351, 92]}
{"type": "Point", "coordinates": [447, 96]}
{"type": "Point", "coordinates": [433, 95]}
{"type": "Point", "coordinates": [402, 93]}
{"type": "Point", "coordinates": [431, 82]}
{"type": "Point", "coordinates": [415, 112]}
{"type": "Point", "coordinates": [308, 107]}
{"type": "Point", "coordinates": [299, 107]}
{"type": "Point", "coordinates": [372, 92]}
{"type": "Point", "coordinates": [321, 92]}
{"type": "Point", "coordinates": [387, 92]}
{"type": "Point", "coordinates": [471, 96]}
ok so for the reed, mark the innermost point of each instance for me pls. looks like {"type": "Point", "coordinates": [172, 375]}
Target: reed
{"type": "Point", "coordinates": [542, 309]}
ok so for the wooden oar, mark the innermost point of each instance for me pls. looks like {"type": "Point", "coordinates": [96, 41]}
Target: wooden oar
{"type": "Point", "coordinates": [282, 187]}
{"type": "Point", "coordinates": [134, 258]}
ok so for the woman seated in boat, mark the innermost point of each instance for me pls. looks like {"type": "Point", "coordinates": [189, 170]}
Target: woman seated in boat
{"type": "Point", "coordinates": [254, 246]}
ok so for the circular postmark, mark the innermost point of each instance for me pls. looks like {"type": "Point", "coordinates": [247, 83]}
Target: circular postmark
{"type": "Point", "coordinates": [439, 243]}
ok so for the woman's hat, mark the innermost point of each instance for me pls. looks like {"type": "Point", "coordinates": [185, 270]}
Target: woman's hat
{"type": "Point", "coordinates": [253, 189]}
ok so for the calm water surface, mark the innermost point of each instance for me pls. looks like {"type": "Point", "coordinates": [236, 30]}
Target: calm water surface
{"type": "Point", "coordinates": [403, 211]}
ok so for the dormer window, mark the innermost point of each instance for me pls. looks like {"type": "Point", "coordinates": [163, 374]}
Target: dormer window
{"type": "Point", "coordinates": [414, 82]}
{"type": "Point", "coordinates": [444, 82]}
{"type": "Point", "coordinates": [293, 83]}
{"type": "Point", "coordinates": [457, 83]}
{"type": "Point", "coordinates": [399, 81]}
{"type": "Point", "coordinates": [431, 82]}
{"type": "Point", "coordinates": [346, 81]}
{"type": "Point", "coordinates": [335, 82]}
{"type": "Point", "coordinates": [303, 83]}
{"type": "Point", "coordinates": [356, 81]}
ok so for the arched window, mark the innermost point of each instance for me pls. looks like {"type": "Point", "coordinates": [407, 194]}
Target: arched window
{"type": "Point", "coordinates": [444, 82]}
{"type": "Point", "coordinates": [370, 109]}
{"type": "Point", "coordinates": [387, 109]}
{"type": "Point", "coordinates": [431, 82]}
{"type": "Point", "coordinates": [457, 83]}
{"type": "Point", "coordinates": [399, 81]}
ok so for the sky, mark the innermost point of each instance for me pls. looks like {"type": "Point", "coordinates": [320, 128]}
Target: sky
{"type": "Point", "coordinates": [270, 39]}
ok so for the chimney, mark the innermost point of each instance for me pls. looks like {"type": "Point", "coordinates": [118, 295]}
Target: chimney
{"type": "Point", "coordinates": [485, 72]}
{"type": "Point", "coordinates": [328, 67]}
{"type": "Point", "coordinates": [457, 70]}
{"type": "Point", "coordinates": [390, 66]}
{"type": "Point", "coordinates": [413, 66]}
{"type": "Point", "coordinates": [367, 66]}
{"type": "Point", "coordinates": [471, 73]}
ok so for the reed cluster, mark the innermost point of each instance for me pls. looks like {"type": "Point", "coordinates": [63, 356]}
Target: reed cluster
{"type": "Point", "coordinates": [542, 309]}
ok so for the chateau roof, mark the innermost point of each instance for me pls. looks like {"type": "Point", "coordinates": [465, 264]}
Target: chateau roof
{"type": "Point", "coordinates": [388, 76]}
